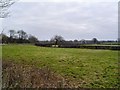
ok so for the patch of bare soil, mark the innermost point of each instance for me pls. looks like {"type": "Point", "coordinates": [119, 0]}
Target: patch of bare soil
{"type": "Point", "coordinates": [24, 76]}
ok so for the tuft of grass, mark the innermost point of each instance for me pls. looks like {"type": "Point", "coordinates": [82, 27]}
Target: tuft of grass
{"type": "Point", "coordinates": [85, 68]}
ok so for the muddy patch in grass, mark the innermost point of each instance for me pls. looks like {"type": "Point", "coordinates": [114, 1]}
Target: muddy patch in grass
{"type": "Point", "coordinates": [24, 76]}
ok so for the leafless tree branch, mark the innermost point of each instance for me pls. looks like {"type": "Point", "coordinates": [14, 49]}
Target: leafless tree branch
{"type": "Point", "coordinates": [4, 5]}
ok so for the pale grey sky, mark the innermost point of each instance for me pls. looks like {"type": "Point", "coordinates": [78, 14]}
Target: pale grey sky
{"type": "Point", "coordinates": [72, 20]}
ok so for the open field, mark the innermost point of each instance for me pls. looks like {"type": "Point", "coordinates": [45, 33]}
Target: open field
{"type": "Point", "coordinates": [88, 68]}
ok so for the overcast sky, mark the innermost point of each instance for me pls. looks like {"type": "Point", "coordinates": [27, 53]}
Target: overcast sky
{"type": "Point", "coordinates": [72, 20]}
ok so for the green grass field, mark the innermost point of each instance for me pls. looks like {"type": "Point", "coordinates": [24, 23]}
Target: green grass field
{"type": "Point", "coordinates": [86, 68]}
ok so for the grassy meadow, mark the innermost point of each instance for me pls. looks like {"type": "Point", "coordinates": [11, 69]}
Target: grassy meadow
{"type": "Point", "coordinates": [87, 68]}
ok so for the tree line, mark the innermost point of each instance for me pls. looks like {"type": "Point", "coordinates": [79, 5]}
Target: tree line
{"type": "Point", "coordinates": [19, 36]}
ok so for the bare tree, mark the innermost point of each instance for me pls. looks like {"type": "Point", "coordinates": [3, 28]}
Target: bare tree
{"type": "Point", "coordinates": [22, 34]}
{"type": "Point", "coordinates": [32, 39]}
{"type": "Point", "coordinates": [4, 5]}
{"type": "Point", "coordinates": [57, 39]}
{"type": "Point", "coordinates": [95, 41]}
{"type": "Point", "coordinates": [12, 33]}
{"type": "Point", "coordinates": [4, 38]}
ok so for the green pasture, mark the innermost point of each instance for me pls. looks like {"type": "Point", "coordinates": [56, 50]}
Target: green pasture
{"type": "Point", "coordinates": [88, 68]}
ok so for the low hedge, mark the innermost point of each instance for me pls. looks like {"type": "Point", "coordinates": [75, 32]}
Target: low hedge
{"type": "Point", "coordinates": [82, 46]}
{"type": "Point", "coordinates": [91, 47]}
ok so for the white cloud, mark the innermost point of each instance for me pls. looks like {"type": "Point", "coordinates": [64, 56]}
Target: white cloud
{"type": "Point", "coordinates": [72, 20]}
